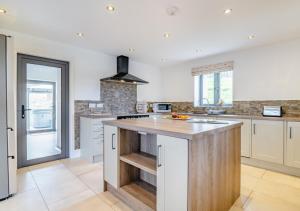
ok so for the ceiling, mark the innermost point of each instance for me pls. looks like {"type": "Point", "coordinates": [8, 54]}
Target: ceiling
{"type": "Point", "coordinates": [200, 28]}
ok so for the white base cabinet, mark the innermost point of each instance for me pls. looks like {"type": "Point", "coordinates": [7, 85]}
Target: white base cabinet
{"type": "Point", "coordinates": [111, 158]}
{"type": "Point", "coordinates": [293, 144]}
{"type": "Point", "coordinates": [172, 173]}
{"type": "Point", "coordinates": [267, 140]}
{"type": "Point", "coordinates": [92, 138]}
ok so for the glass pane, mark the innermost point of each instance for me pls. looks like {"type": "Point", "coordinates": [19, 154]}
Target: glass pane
{"type": "Point", "coordinates": [226, 92]}
{"type": "Point", "coordinates": [197, 91]}
{"type": "Point", "coordinates": [43, 115]}
{"type": "Point", "coordinates": [208, 89]}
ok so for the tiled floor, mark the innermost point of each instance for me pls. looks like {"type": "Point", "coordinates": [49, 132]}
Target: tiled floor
{"type": "Point", "coordinates": [75, 185]}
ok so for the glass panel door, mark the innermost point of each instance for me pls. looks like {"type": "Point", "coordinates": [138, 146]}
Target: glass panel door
{"type": "Point", "coordinates": [43, 132]}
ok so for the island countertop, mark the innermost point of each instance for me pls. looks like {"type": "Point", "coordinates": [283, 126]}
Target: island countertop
{"type": "Point", "coordinates": [168, 127]}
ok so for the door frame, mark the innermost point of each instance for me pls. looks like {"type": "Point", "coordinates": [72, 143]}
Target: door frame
{"type": "Point", "coordinates": [22, 60]}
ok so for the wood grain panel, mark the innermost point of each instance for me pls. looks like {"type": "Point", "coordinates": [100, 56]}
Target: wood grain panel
{"type": "Point", "coordinates": [214, 170]}
{"type": "Point", "coordinates": [142, 161]}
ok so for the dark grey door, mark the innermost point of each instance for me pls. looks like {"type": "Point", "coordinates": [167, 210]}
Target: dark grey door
{"type": "Point", "coordinates": [3, 121]}
{"type": "Point", "coordinates": [43, 110]}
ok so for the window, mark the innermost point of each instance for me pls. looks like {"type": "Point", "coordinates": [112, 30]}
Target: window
{"type": "Point", "coordinates": [213, 89]}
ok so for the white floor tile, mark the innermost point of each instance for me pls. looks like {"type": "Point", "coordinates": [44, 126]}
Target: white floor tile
{"type": "Point", "coordinates": [71, 201]}
{"type": "Point", "coordinates": [60, 191]}
{"type": "Point", "coordinates": [26, 201]}
{"type": "Point", "coordinates": [25, 182]}
{"type": "Point", "coordinates": [94, 180]}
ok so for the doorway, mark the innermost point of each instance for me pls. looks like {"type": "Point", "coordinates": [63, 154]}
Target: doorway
{"type": "Point", "coordinates": [43, 110]}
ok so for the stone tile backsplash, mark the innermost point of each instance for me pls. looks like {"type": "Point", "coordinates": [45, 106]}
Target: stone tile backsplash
{"type": "Point", "coordinates": [117, 98]}
{"type": "Point", "coordinates": [290, 107]}
{"type": "Point", "coordinates": [82, 107]}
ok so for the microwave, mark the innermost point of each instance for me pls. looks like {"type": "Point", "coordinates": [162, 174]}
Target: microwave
{"type": "Point", "coordinates": [162, 107]}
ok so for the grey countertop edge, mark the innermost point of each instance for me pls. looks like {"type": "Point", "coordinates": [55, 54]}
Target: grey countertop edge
{"type": "Point", "coordinates": [189, 136]}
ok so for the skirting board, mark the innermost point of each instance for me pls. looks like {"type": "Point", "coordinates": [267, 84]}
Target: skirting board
{"type": "Point", "coordinates": [271, 166]}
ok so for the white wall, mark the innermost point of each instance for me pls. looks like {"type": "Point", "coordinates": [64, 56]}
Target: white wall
{"type": "Point", "coordinates": [151, 91]}
{"type": "Point", "coordinates": [263, 73]}
{"type": "Point", "coordinates": [86, 69]}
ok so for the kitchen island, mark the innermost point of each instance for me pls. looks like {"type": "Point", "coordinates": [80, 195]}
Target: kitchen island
{"type": "Point", "coordinates": [170, 165]}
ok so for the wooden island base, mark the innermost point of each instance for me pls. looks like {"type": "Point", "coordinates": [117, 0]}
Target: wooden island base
{"type": "Point", "coordinates": [167, 173]}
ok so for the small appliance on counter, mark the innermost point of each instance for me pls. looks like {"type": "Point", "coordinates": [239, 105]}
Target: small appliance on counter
{"type": "Point", "coordinates": [272, 111]}
{"type": "Point", "coordinates": [162, 107]}
{"type": "Point", "coordinates": [142, 107]}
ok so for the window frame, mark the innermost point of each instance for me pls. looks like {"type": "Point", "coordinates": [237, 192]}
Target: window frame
{"type": "Point", "coordinates": [217, 92]}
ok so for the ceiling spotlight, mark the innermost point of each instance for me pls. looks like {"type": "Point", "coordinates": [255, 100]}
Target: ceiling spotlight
{"type": "Point", "coordinates": [79, 34]}
{"type": "Point", "coordinates": [166, 35]}
{"type": "Point", "coordinates": [110, 8]}
{"type": "Point", "coordinates": [251, 37]}
{"type": "Point", "coordinates": [131, 49]}
{"type": "Point", "coordinates": [227, 11]}
{"type": "Point", "coordinates": [3, 11]}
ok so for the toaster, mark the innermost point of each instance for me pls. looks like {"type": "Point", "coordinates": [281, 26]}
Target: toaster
{"type": "Point", "coordinates": [275, 111]}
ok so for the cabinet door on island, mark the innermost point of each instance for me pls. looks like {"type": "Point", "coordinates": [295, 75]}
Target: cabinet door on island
{"type": "Point", "coordinates": [111, 148]}
{"type": "Point", "coordinates": [172, 173]}
{"type": "Point", "coordinates": [293, 144]}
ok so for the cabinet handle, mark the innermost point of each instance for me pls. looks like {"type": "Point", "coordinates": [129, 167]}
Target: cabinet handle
{"type": "Point", "coordinates": [112, 141]}
{"type": "Point", "coordinates": [290, 132]}
{"type": "Point", "coordinates": [254, 129]}
{"type": "Point", "coordinates": [158, 156]}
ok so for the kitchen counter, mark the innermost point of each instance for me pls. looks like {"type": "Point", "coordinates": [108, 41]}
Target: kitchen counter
{"type": "Point", "coordinates": [97, 115]}
{"type": "Point", "coordinates": [295, 118]}
{"type": "Point", "coordinates": [186, 160]}
{"type": "Point", "coordinates": [174, 128]}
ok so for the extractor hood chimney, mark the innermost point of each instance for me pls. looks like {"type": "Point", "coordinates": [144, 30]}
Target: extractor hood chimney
{"type": "Point", "coordinates": [122, 73]}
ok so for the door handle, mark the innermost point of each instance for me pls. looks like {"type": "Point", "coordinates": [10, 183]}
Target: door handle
{"type": "Point", "coordinates": [11, 156]}
{"type": "Point", "coordinates": [254, 129]}
{"type": "Point", "coordinates": [23, 111]}
{"type": "Point", "coordinates": [112, 142]}
{"type": "Point", "coordinates": [159, 156]}
{"type": "Point", "coordinates": [290, 132]}
{"type": "Point", "coordinates": [10, 128]}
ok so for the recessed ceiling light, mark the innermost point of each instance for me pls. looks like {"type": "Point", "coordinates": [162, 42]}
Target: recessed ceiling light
{"type": "Point", "coordinates": [110, 8]}
{"type": "Point", "coordinates": [198, 50]}
{"type": "Point", "coordinates": [3, 11]}
{"type": "Point", "coordinates": [227, 11]}
{"type": "Point", "coordinates": [166, 35]}
{"type": "Point", "coordinates": [163, 60]}
{"type": "Point", "coordinates": [131, 49]}
{"type": "Point", "coordinates": [251, 37]}
{"type": "Point", "coordinates": [79, 34]}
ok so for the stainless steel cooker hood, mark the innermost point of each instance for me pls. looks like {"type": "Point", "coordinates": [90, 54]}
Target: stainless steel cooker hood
{"type": "Point", "coordinates": [122, 73]}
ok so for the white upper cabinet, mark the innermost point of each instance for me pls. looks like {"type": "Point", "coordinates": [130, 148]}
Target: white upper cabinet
{"type": "Point", "coordinates": [293, 144]}
{"type": "Point", "coordinates": [267, 140]}
{"type": "Point", "coordinates": [111, 149]}
{"type": "Point", "coordinates": [172, 173]}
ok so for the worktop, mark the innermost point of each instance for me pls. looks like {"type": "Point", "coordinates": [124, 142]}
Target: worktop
{"type": "Point", "coordinates": [293, 118]}
{"type": "Point", "coordinates": [174, 128]}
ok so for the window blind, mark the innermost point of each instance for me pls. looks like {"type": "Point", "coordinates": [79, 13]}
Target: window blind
{"type": "Point", "coordinates": [212, 68]}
